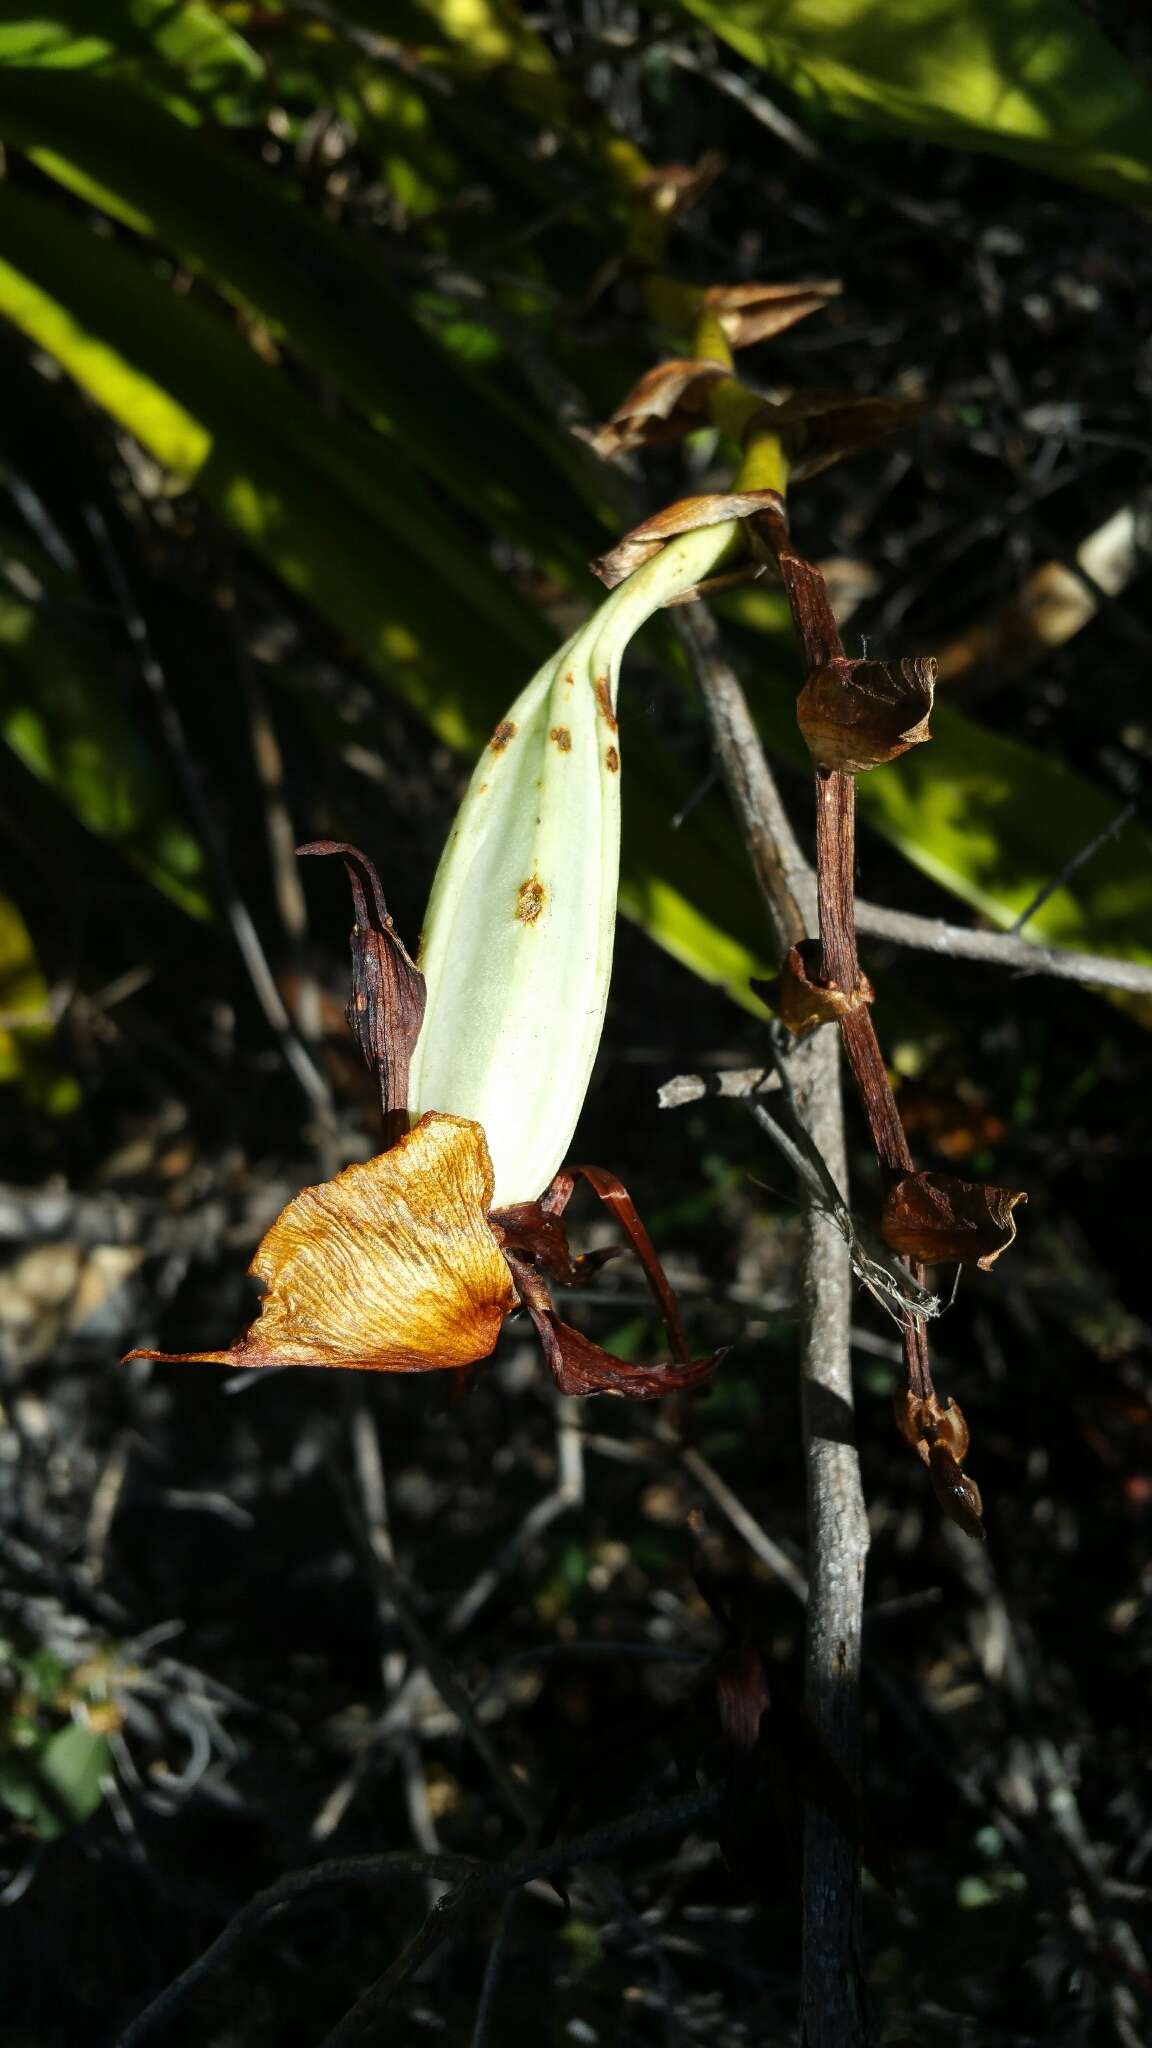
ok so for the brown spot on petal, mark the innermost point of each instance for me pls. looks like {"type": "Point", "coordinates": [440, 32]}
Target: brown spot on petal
{"type": "Point", "coordinates": [530, 899]}
{"type": "Point", "coordinates": [604, 700]}
{"type": "Point", "coordinates": [612, 761]}
{"type": "Point", "coordinates": [505, 731]}
{"type": "Point", "coordinates": [391, 1267]}
{"type": "Point", "coordinates": [561, 738]}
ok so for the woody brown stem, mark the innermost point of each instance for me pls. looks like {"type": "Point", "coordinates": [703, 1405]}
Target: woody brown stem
{"type": "Point", "coordinates": [816, 630]}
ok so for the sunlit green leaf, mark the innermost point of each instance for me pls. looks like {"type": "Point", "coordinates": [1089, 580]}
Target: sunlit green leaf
{"type": "Point", "coordinates": [319, 289]}
{"type": "Point", "coordinates": [61, 713]}
{"type": "Point", "coordinates": [174, 46]}
{"type": "Point", "coordinates": [1030, 79]}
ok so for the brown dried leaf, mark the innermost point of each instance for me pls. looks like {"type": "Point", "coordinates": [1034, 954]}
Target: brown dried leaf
{"type": "Point", "coordinates": [755, 312]}
{"type": "Point", "coordinates": [685, 516]}
{"type": "Point", "coordinates": [669, 401]}
{"type": "Point", "coordinates": [391, 1267]}
{"type": "Point", "coordinates": [801, 1000]}
{"type": "Point", "coordinates": [936, 1219]}
{"type": "Point", "coordinates": [386, 1007]}
{"type": "Point", "coordinates": [857, 715]}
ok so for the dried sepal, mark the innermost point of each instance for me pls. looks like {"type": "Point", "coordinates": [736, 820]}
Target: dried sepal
{"type": "Point", "coordinates": [802, 1000]}
{"type": "Point", "coordinates": [687, 515]}
{"type": "Point", "coordinates": [390, 1267]}
{"type": "Point", "coordinates": [580, 1367]}
{"type": "Point", "coordinates": [857, 715]}
{"type": "Point", "coordinates": [386, 1007]}
{"type": "Point", "coordinates": [755, 312]}
{"type": "Point", "coordinates": [669, 401]}
{"type": "Point", "coordinates": [936, 1219]}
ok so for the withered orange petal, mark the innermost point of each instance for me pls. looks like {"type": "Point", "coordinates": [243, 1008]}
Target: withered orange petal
{"type": "Point", "coordinates": [390, 1267]}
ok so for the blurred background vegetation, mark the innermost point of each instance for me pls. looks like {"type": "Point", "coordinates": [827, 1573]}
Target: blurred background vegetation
{"type": "Point", "coordinates": [308, 315]}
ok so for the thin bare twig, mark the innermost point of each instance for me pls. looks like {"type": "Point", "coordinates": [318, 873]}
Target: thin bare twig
{"type": "Point", "coordinates": [1001, 949]}
{"type": "Point", "coordinates": [837, 1520]}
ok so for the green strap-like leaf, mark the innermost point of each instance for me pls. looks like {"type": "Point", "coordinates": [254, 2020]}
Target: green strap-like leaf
{"type": "Point", "coordinates": [319, 289]}
{"type": "Point", "coordinates": [1030, 79]}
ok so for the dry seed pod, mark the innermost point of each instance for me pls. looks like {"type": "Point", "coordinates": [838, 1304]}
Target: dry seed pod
{"type": "Point", "coordinates": [959, 1496]}
{"type": "Point", "coordinates": [802, 1001]}
{"type": "Point", "coordinates": [939, 1436]}
{"type": "Point", "coordinates": [937, 1219]}
{"type": "Point", "coordinates": [857, 715]}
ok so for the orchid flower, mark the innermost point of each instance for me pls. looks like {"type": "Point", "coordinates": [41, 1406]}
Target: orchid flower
{"type": "Point", "coordinates": [484, 1052]}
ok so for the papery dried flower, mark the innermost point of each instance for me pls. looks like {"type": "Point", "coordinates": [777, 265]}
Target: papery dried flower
{"type": "Point", "coordinates": [937, 1219]}
{"type": "Point", "coordinates": [857, 715]}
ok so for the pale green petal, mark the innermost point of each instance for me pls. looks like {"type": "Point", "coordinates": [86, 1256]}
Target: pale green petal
{"type": "Point", "coordinates": [517, 945]}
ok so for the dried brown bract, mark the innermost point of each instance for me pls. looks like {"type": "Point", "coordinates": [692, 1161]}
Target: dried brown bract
{"type": "Point", "coordinates": [923, 1421]}
{"type": "Point", "coordinates": [755, 312]}
{"type": "Point", "coordinates": [802, 999]}
{"type": "Point", "coordinates": [937, 1219]}
{"type": "Point", "coordinates": [685, 516]}
{"type": "Point", "coordinates": [817, 428]}
{"type": "Point", "coordinates": [386, 1007]}
{"type": "Point", "coordinates": [857, 715]}
{"type": "Point", "coordinates": [669, 401]}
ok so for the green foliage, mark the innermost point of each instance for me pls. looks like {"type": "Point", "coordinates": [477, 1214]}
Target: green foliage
{"type": "Point", "coordinates": [1029, 79]}
{"type": "Point", "coordinates": [50, 1773]}
{"type": "Point", "coordinates": [388, 447]}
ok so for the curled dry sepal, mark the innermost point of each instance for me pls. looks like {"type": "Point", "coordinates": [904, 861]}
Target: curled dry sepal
{"type": "Point", "coordinates": [936, 1219]}
{"type": "Point", "coordinates": [411, 1261]}
{"type": "Point", "coordinates": [857, 715]}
